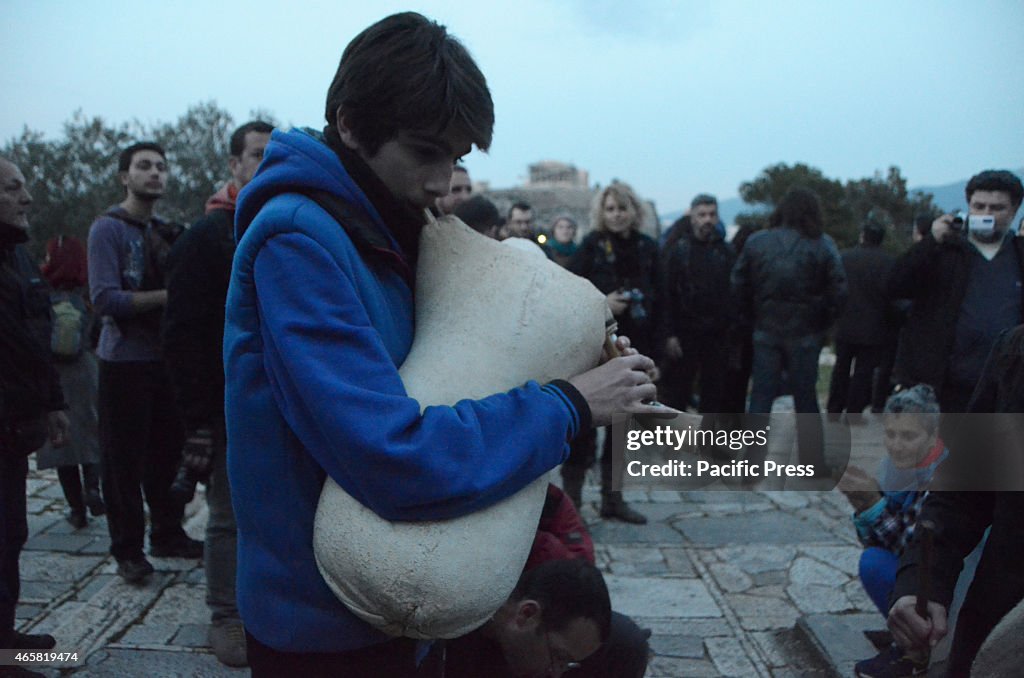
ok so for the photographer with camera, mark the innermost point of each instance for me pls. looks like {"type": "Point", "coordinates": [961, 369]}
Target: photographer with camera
{"type": "Point", "coordinates": [622, 263]}
{"type": "Point", "coordinates": [965, 283]}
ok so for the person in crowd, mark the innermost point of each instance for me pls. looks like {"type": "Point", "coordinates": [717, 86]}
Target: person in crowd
{"type": "Point", "coordinates": [886, 507]}
{"type": "Point", "coordinates": [519, 223]}
{"type": "Point", "coordinates": [789, 280]}
{"type": "Point", "coordinates": [66, 270]}
{"type": "Point", "coordinates": [481, 215]}
{"type": "Point", "coordinates": [882, 382]}
{"type": "Point", "coordinates": [460, 191]}
{"type": "Point", "coordinates": [561, 537]}
{"type": "Point", "coordinates": [558, 615]}
{"type": "Point", "coordinates": [922, 227]}
{"type": "Point", "coordinates": [141, 435]}
{"type": "Point", "coordinates": [681, 228]}
{"type": "Point", "coordinates": [31, 402]}
{"type": "Point", "coordinates": [562, 244]}
{"type": "Point", "coordinates": [962, 513]}
{"type": "Point", "coordinates": [864, 327]}
{"type": "Point", "coordinates": [319, 316]}
{"type": "Point", "coordinates": [695, 321]}
{"type": "Point", "coordinates": [199, 267]}
{"type": "Point", "coordinates": [622, 262]}
{"type": "Point", "coordinates": [741, 347]}
{"type": "Point", "coordinates": [965, 284]}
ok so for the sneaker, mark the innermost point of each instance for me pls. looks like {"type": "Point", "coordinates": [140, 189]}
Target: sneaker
{"type": "Point", "coordinates": [134, 571]}
{"type": "Point", "coordinates": [179, 547]}
{"type": "Point", "coordinates": [32, 641]}
{"type": "Point", "coordinates": [890, 663]}
{"type": "Point", "coordinates": [227, 638]}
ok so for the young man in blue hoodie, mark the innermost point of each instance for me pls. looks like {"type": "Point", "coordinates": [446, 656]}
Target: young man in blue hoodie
{"type": "Point", "coordinates": [319, 318]}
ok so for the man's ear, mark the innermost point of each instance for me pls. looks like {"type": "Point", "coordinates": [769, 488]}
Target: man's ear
{"type": "Point", "coordinates": [233, 162]}
{"type": "Point", "coordinates": [527, 614]}
{"type": "Point", "coordinates": [347, 136]}
{"type": "Point", "coordinates": [123, 176]}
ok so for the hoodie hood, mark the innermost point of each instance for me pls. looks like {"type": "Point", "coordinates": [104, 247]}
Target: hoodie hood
{"type": "Point", "coordinates": [298, 161]}
{"type": "Point", "coordinates": [224, 199]}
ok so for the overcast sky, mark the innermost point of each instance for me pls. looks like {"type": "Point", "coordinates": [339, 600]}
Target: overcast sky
{"type": "Point", "coordinates": [674, 97]}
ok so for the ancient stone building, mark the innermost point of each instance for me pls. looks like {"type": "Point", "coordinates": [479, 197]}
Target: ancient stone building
{"type": "Point", "coordinates": [556, 188]}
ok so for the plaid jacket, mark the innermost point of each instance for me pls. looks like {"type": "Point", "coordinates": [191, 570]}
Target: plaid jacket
{"type": "Point", "coordinates": [889, 523]}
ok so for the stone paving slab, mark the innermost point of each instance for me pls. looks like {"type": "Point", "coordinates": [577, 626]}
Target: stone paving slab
{"type": "Point", "coordinates": [661, 597]}
{"type": "Point", "coordinates": [673, 667]}
{"type": "Point", "coordinates": [840, 638]}
{"type": "Point", "coordinates": [685, 647]}
{"type": "Point", "coordinates": [106, 614]}
{"type": "Point", "coordinates": [753, 528]}
{"type": "Point", "coordinates": [757, 613]}
{"type": "Point", "coordinates": [729, 657]}
{"type": "Point", "coordinates": [156, 664]}
{"type": "Point", "coordinates": [610, 532]}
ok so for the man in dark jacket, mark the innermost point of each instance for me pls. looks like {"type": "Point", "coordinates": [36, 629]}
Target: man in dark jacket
{"type": "Point", "coordinates": [965, 288]}
{"type": "Point", "coordinates": [864, 326]}
{"type": "Point", "coordinates": [696, 316]}
{"type": "Point", "coordinates": [199, 268]}
{"type": "Point", "coordinates": [31, 401]}
{"type": "Point", "coordinates": [790, 282]}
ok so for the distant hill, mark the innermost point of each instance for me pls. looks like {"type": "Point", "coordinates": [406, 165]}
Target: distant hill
{"type": "Point", "coordinates": [951, 196]}
{"type": "Point", "coordinates": [947, 196]}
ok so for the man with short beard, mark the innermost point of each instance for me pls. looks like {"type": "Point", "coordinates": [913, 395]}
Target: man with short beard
{"type": "Point", "coordinates": [696, 321]}
{"type": "Point", "coordinates": [965, 286]}
{"type": "Point", "coordinates": [140, 431]}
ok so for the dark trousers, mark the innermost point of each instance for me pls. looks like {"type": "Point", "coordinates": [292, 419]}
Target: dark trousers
{"type": "Point", "coordinates": [852, 393]}
{"type": "Point", "coordinates": [71, 482]}
{"type": "Point", "coordinates": [13, 534]}
{"type": "Point", "coordinates": [737, 375]}
{"type": "Point", "coordinates": [394, 658]}
{"type": "Point", "coordinates": [583, 452]}
{"type": "Point", "coordinates": [799, 359]}
{"type": "Point", "coordinates": [141, 437]}
{"type": "Point", "coordinates": [882, 383]}
{"type": "Point", "coordinates": [705, 355]}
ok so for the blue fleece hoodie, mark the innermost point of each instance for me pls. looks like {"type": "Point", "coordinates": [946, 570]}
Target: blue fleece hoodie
{"type": "Point", "coordinates": [313, 340]}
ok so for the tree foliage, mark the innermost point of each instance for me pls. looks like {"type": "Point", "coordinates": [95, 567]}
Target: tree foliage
{"type": "Point", "coordinates": [74, 178]}
{"type": "Point", "coordinates": [844, 207]}
{"type": "Point", "coordinates": [773, 182]}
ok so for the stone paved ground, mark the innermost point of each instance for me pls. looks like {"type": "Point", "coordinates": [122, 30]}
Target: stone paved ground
{"type": "Point", "coordinates": [720, 577]}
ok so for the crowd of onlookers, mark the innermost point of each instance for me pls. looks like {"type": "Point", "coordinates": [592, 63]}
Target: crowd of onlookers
{"type": "Point", "coordinates": [920, 326]}
{"type": "Point", "coordinates": [149, 359]}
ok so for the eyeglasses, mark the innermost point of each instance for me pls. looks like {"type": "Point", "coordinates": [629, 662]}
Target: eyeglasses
{"type": "Point", "coordinates": [561, 664]}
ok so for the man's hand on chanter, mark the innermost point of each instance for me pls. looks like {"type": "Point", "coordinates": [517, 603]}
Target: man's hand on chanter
{"type": "Point", "coordinates": [619, 385]}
